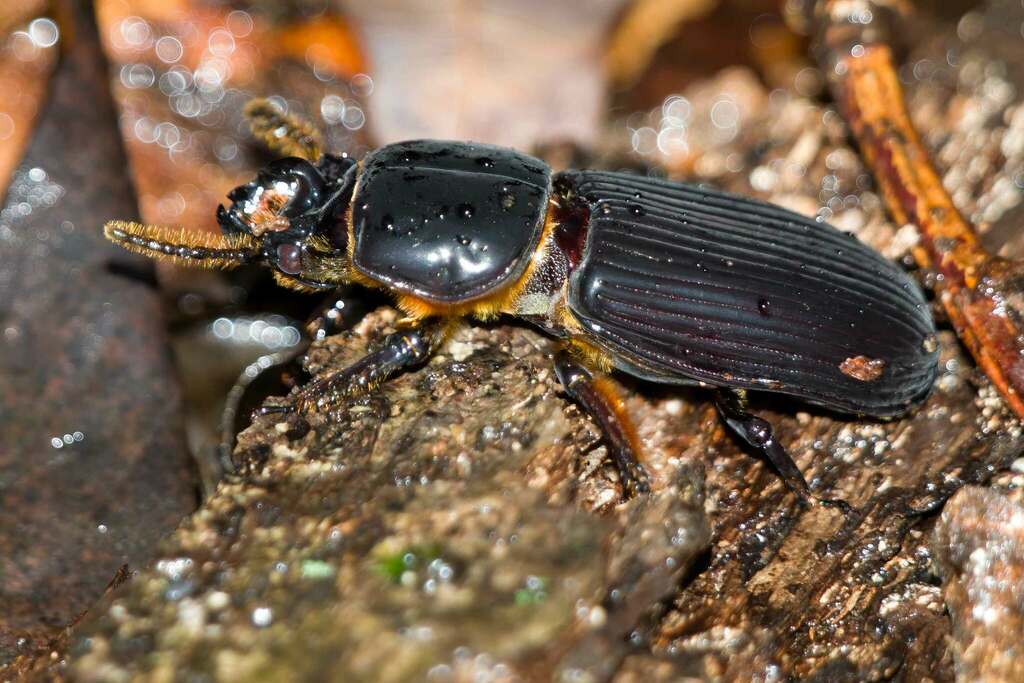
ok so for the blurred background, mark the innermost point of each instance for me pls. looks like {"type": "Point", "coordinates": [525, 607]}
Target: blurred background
{"type": "Point", "coordinates": [114, 375]}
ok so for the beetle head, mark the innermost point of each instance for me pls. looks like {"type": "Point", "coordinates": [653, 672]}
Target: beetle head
{"type": "Point", "coordinates": [296, 213]}
{"type": "Point", "coordinates": [291, 217]}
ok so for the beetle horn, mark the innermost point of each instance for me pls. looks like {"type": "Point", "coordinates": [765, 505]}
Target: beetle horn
{"type": "Point", "coordinates": [184, 247]}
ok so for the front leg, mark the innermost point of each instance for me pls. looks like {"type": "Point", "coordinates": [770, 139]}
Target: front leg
{"type": "Point", "coordinates": [599, 398]}
{"type": "Point", "coordinates": [341, 312]}
{"type": "Point", "coordinates": [401, 350]}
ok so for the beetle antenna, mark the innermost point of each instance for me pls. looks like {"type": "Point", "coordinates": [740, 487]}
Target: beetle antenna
{"type": "Point", "coordinates": [183, 247]}
{"type": "Point", "coordinates": [284, 134]}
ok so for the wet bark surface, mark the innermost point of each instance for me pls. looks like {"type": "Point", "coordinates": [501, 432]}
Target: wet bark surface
{"type": "Point", "coordinates": [93, 466]}
{"type": "Point", "coordinates": [978, 543]}
{"type": "Point", "coordinates": [460, 521]}
{"type": "Point", "coordinates": [463, 521]}
{"type": "Point", "coordinates": [823, 597]}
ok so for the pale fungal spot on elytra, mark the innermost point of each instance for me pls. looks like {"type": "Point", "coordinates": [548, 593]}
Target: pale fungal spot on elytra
{"type": "Point", "coordinates": [862, 368]}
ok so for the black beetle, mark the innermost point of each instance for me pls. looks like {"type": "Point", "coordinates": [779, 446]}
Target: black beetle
{"type": "Point", "coordinates": [668, 282]}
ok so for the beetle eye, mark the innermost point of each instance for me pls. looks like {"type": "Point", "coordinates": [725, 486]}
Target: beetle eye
{"type": "Point", "coordinates": [289, 258]}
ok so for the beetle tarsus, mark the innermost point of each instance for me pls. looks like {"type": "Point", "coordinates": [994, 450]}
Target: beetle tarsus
{"type": "Point", "coordinates": [595, 397]}
{"type": "Point", "coordinates": [839, 504]}
{"type": "Point", "coordinates": [756, 431]}
{"type": "Point", "coordinates": [401, 350]}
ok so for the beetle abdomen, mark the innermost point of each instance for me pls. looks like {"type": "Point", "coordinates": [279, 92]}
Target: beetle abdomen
{"type": "Point", "coordinates": [685, 283]}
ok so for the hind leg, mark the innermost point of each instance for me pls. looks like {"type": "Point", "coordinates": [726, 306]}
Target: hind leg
{"type": "Point", "coordinates": [732, 406]}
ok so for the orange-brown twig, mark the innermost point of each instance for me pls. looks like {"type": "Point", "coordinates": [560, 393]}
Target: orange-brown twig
{"type": "Point", "coordinates": [980, 291]}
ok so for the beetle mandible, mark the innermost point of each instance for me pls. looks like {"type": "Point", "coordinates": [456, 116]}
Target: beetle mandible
{"type": "Point", "coordinates": [668, 282]}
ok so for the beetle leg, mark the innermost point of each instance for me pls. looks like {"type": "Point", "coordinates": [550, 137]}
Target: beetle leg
{"type": "Point", "coordinates": [599, 399]}
{"type": "Point", "coordinates": [332, 316]}
{"type": "Point", "coordinates": [401, 350]}
{"type": "Point", "coordinates": [732, 405]}
{"type": "Point", "coordinates": [265, 376]}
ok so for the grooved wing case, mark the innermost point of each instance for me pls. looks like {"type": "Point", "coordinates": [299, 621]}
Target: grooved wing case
{"type": "Point", "coordinates": [682, 283]}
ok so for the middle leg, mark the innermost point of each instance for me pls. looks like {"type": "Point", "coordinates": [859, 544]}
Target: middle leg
{"type": "Point", "coordinates": [599, 399]}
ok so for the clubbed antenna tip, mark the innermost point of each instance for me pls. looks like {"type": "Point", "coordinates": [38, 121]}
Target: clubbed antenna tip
{"type": "Point", "coordinates": [181, 246]}
{"type": "Point", "coordinates": [285, 134]}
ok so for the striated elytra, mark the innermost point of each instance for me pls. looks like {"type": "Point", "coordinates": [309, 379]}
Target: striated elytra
{"type": "Point", "coordinates": [732, 292]}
